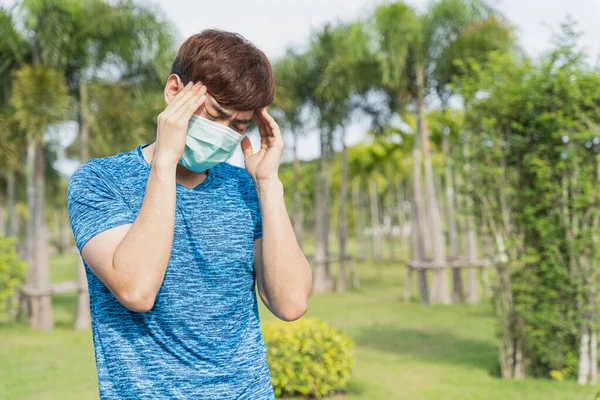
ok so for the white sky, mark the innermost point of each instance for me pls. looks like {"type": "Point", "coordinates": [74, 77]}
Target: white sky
{"type": "Point", "coordinates": [274, 25]}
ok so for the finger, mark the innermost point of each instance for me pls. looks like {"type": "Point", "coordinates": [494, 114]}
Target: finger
{"type": "Point", "coordinates": [273, 127]}
{"type": "Point", "coordinates": [262, 129]}
{"type": "Point", "coordinates": [193, 96]}
{"type": "Point", "coordinates": [266, 138]}
{"type": "Point", "coordinates": [190, 107]}
{"type": "Point", "coordinates": [174, 101]}
{"type": "Point", "coordinates": [179, 104]}
{"type": "Point", "coordinates": [246, 147]}
{"type": "Point", "coordinates": [264, 142]}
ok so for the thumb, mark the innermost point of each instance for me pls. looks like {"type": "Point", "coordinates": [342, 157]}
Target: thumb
{"type": "Point", "coordinates": [246, 147]}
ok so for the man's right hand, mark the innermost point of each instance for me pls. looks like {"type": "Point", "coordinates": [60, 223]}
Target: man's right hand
{"type": "Point", "coordinates": [173, 123]}
{"type": "Point", "coordinates": [131, 259]}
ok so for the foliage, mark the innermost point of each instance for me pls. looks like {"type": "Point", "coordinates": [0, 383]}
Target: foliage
{"type": "Point", "coordinates": [12, 274]}
{"type": "Point", "coordinates": [307, 357]}
{"type": "Point", "coordinates": [39, 98]}
{"type": "Point", "coordinates": [533, 134]}
{"type": "Point", "coordinates": [417, 50]}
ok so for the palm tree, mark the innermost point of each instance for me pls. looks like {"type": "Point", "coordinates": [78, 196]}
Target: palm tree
{"type": "Point", "coordinates": [40, 99]}
{"type": "Point", "coordinates": [292, 93]}
{"type": "Point", "coordinates": [445, 128]}
{"type": "Point", "coordinates": [79, 39]}
{"type": "Point", "coordinates": [346, 68]}
{"type": "Point", "coordinates": [11, 54]}
{"type": "Point", "coordinates": [418, 52]}
{"type": "Point", "coordinates": [98, 35]}
{"type": "Point", "coordinates": [12, 148]}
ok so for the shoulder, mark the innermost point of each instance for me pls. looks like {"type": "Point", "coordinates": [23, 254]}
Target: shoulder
{"type": "Point", "coordinates": [100, 171]}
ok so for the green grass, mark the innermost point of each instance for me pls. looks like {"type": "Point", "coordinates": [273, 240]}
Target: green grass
{"type": "Point", "coordinates": [404, 351]}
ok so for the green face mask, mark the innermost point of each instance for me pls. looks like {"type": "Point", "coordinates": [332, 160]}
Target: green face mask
{"type": "Point", "coordinates": [208, 144]}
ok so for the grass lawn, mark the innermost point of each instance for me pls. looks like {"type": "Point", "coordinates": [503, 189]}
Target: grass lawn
{"type": "Point", "coordinates": [404, 351]}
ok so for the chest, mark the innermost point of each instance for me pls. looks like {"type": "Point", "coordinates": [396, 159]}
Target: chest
{"type": "Point", "coordinates": [212, 256]}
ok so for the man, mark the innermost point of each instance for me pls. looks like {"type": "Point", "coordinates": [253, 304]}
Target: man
{"type": "Point", "coordinates": [174, 239]}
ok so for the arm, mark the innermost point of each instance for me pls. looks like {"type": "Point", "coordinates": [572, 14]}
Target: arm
{"type": "Point", "coordinates": [121, 257]}
{"type": "Point", "coordinates": [283, 274]}
{"type": "Point", "coordinates": [131, 260]}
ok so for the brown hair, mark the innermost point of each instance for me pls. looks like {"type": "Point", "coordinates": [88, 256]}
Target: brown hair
{"type": "Point", "coordinates": [236, 73]}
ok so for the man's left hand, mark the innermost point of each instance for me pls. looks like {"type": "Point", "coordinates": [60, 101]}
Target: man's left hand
{"type": "Point", "coordinates": [263, 165]}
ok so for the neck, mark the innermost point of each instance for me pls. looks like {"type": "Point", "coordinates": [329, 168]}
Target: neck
{"type": "Point", "coordinates": [184, 176]}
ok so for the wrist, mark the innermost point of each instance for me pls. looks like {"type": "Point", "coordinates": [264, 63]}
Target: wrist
{"type": "Point", "coordinates": [268, 186]}
{"type": "Point", "coordinates": [163, 168]}
{"type": "Point", "coordinates": [163, 159]}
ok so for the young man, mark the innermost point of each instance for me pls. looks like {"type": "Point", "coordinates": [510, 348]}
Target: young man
{"type": "Point", "coordinates": [174, 238]}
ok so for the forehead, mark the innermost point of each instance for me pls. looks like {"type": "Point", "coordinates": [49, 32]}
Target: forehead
{"type": "Point", "coordinates": [215, 105]}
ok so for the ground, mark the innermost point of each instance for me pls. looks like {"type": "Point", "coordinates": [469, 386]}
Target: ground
{"type": "Point", "coordinates": [404, 351]}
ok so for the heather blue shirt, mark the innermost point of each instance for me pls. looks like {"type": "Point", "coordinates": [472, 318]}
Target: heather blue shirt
{"type": "Point", "coordinates": [202, 338]}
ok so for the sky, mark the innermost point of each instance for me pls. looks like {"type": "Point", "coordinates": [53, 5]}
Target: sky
{"type": "Point", "coordinates": [274, 25]}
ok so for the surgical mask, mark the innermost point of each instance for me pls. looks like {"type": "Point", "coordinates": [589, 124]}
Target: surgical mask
{"type": "Point", "coordinates": [208, 144]}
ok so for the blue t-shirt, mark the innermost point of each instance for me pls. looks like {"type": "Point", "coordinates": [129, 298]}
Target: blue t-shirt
{"type": "Point", "coordinates": [202, 338]}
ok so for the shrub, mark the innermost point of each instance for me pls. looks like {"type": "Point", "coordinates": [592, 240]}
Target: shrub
{"type": "Point", "coordinates": [12, 274]}
{"type": "Point", "coordinates": [307, 357]}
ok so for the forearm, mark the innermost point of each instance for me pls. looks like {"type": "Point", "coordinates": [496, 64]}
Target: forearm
{"type": "Point", "coordinates": [287, 277]}
{"type": "Point", "coordinates": [141, 259]}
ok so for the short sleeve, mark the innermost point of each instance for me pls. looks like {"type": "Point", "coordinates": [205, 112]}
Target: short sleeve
{"type": "Point", "coordinates": [255, 206]}
{"type": "Point", "coordinates": [94, 205]}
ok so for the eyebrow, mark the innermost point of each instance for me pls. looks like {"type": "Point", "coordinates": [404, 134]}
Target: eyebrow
{"type": "Point", "coordinates": [224, 114]}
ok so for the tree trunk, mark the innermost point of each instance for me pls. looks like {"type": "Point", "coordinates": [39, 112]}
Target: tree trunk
{"type": "Point", "coordinates": [584, 359]}
{"type": "Point", "coordinates": [471, 238]}
{"type": "Point", "coordinates": [504, 308]}
{"type": "Point", "coordinates": [359, 227]}
{"type": "Point", "coordinates": [402, 216]}
{"type": "Point", "coordinates": [359, 224]}
{"type": "Point", "coordinates": [298, 211]}
{"type": "Point", "coordinates": [11, 229]}
{"type": "Point", "coordinates": [327, 195]}
{"type": "Point", "coordinates": [320, 277]}
{"type": "Point", "coordinates": [377, 234]}
{"type": "Point", "coordinates": [343, 237]}
{"type": "Point", "coordinates": [594, 358]}
{"type": "Point", "coordinates": [418, 254]}
{"type": "Point", "coordinates": [458, 291]}
{"type": "Point", "coordinates": [388, 221]}
{"type": "Point", "coordinates": [41, 305]}
{"type": "Point", "coordinates": [418, 227]}
{"type": "Point", "coordinates": [473, 286]}
{"type": "Point", "coordinates": [439, 290]}
{"type": "Point", "coordinates": [388, 226]}
{"type": "Point", "coordinates": [519, 363]}
{"type": "Point", "coordinates": [30, 229]}
{"type": "Point", "coordinates": [82, 310]}
{"type": "Point", "coordinates": [2, 220]}
{"type": "Point", "coordinates": [486, 244]}
{"type": "Point", "coordinates": [54, 237]}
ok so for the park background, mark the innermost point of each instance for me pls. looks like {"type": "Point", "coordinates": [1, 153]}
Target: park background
{"type": "Point", "coordinates": [441, 171]}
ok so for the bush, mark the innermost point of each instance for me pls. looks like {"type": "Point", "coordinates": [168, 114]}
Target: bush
{"type": "Point", "coordinates": [307, 357]}
{"type": "Point", "coordinates": [12, 274]}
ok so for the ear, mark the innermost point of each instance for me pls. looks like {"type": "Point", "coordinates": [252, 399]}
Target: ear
{"type": "Point", "coordinates": [173, 86]}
